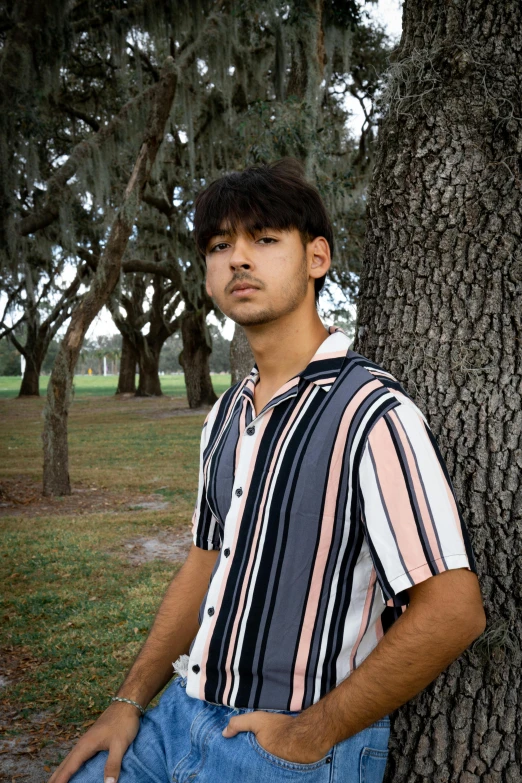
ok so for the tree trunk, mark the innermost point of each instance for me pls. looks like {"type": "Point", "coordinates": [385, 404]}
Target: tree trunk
{"type": "Point", "coordinates": [194, 358]}
{"type": "Point", "coordinates": [439, 307]}
{"type": "Point", "coordinates": [241, 356]}
{"type": "Point", "coordinates": [149, 381]}
{"type": "Point", "coordinates": [56, 458]}
{"type": "Point", "coordinates": [128, 362]}
{"type": "Point", "coordinates": [33, 351]}
{"type": "Point", "coordinates": [30, 386]}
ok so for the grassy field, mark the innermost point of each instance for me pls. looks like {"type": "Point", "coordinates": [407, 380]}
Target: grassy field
{"type": "Point", "coordinates": [76, 611]}
{"type": "Point", "coordinates": [100, 386]}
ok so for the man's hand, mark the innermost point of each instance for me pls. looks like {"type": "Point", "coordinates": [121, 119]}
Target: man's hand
{"type": "Point", "coordinates": [278, 734]}
{"type": "Point", "coordinates": [444, 616]}
{"type": "Point", "coordinates": [114, 731]}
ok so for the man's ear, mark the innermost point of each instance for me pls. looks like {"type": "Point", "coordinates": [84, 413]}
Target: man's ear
{"type": "Point", "coordinates": [208, 289]}
{"type": "Point", "coordinates": [321, 260]}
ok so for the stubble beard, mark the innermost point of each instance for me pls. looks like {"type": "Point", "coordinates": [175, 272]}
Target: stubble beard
{"type": "Point", "coordinates": [294, 296]}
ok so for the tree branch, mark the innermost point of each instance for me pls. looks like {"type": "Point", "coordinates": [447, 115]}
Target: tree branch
{"type": "Point", "coordinates": [80, 115]}
{"type": "Point", "coordinates": [8, 330]}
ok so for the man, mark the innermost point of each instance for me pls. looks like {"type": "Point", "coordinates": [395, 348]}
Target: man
{"type": "Point", "coordinates": [331, 576]}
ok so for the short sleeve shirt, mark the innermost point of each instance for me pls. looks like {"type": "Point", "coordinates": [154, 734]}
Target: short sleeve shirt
{"type": "Point", "coordinates": [325, 507]}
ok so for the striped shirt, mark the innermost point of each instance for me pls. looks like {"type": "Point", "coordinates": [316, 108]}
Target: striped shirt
{"type": "Point", "coordinates": [326, 507]}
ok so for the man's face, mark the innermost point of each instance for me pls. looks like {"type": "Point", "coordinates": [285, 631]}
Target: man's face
{"type": "Point", "coordinates": [273, 261]}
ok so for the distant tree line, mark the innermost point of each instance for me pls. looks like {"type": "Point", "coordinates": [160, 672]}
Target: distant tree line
{"type": "Point", "coordinates": [93, 351]}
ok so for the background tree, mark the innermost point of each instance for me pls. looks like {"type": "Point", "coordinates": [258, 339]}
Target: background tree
{"type": "Point", "coordinates": [241, 356]}
{"type": "Point", "coordinates": [219, 358]}
{"type": "Point", "coordinates": [247, 85]}
{"type": "Point", "coordinates": [56, 468]}
{"type": "Point", "coordinates": [439, 306]}
{"type": "Point", "coordinates": [160, 319]}
{"type": "Point", "coordinates": [46, 308]}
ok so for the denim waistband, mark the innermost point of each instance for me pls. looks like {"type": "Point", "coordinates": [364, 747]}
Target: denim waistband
{"type": "Point", "coordinates": [384, 721]}
{"type": "Point", "coordinates": [238, 710]}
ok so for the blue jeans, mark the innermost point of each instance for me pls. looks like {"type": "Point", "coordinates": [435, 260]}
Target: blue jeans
{"type": "Point", "coordinates": [180, 740]}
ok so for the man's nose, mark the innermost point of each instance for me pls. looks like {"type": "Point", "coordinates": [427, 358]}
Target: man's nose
{"type": "Point", "coordinates": [240, 254]}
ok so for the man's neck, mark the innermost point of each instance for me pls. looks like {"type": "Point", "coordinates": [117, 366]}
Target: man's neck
{"type": "Point", "coordinates": [282, 350]}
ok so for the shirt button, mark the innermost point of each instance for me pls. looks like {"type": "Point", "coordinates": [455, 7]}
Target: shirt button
{"type": "Point", "coordinates": [226, 552]}
{"type": "Point", "coordinates": [210, 611]}
{"type": "Point", "coordinates": [328, 760]}
{"type": "Point", "coordinates": [239, 492]}
{"type": "Point", "coordinates": [195, 668]}
{"type": "Point", "coordinates": [251, 430]}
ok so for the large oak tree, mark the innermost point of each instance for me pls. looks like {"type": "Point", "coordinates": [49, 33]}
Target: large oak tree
{"type": "Point", "coordinates": [440, 308]}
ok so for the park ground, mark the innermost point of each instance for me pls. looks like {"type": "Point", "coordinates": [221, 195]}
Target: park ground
{"type": "Point", "coordinates": [84, 574]}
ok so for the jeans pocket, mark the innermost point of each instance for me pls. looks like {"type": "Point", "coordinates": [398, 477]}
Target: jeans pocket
{"type": "Point", "coordinates": [182, 680]}
{"type": "Point", "coordinates": [282, 763]}
{"type": "Point", "coordinates": [372, 765]}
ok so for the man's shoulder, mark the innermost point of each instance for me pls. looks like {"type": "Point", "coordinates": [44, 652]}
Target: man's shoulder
{"type": "Point", "coordinates": [383, 382]}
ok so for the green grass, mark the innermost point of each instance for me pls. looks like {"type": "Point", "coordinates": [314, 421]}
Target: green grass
{"type": "Point", "coordinates": [98, 385]}
{"type": "Point", "coordinates": [53, 562]}
{"type": "Point", "coordinates": [81, 612]}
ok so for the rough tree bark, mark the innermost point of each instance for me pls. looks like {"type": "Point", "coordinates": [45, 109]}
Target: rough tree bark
{"type": "Point", "coordinates": [56, 459]}
{"type": "Point", "coordinates": [440, 308]}
{"type": "Point", "coordinates": [241, 356]}
{"type": "Point", "coordinates": [128, 362]}
{"type": "Point", "coordinates": [194, 358]}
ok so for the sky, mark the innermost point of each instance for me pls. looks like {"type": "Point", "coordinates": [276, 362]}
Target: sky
{"type": "Point", "coordinates": [389, 13]}
{"type": "Point", "coordinates": [386, 12]}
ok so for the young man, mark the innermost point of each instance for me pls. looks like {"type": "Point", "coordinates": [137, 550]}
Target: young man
{"type": "Point", "coordinates": [331, 576]}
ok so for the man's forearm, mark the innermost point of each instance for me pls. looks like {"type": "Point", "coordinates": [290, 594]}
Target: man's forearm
{"type": "Point", "coordinates": [174, 627]}
{"type": "Point", "coordinates": [413, 652]}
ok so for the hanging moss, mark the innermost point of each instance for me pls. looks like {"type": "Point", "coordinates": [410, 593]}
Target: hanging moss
{"type": "Point", "coordinates": [260, 90]}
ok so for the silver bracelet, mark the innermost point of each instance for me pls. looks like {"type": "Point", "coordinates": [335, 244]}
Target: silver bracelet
{"type": "Point", "coordinates": [129, 701]}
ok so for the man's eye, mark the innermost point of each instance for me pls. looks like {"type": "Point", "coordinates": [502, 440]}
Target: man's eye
{"type": "Point", "coordinates": [219, 244]}
{"type": "Point", "coordinates": [267, 239]}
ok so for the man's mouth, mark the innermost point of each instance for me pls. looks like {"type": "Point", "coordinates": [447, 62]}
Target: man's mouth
{"type": "Point", "coordinates": [244, 291]}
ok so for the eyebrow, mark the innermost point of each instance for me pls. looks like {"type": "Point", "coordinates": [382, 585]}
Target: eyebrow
{"type": "Point", "coordinates": [226, 232]}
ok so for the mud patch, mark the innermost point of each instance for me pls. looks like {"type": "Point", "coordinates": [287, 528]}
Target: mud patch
{"type": "Point", "coordinates": [31, 746]}
{"type": "Point", "coordinates": [151, 505]}
{"type": "Point", "coordinates": [24, 760]}
{"type": "Point", "coordinates": [21, 496]}
{"type": "Point", "coordinates": [161, 544]}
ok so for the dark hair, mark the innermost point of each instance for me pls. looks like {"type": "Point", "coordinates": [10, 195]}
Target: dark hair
{"type": "Point", "coordinates": [274, 195]}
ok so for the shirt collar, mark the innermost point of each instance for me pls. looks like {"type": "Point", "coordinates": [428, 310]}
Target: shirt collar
{"type": "Point", "coordinates": [322, 369]}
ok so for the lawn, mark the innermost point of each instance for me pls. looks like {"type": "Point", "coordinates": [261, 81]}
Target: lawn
{"type": "Point", "coordinates": [98, 385]}
{"type": "Point", "coordinates": [76, 610]}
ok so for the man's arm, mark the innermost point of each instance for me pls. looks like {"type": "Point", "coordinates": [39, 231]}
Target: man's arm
{"type": "Point", "coordinates": [174, 627]}
{"type": "Point", "coordinates": [444, 616]}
